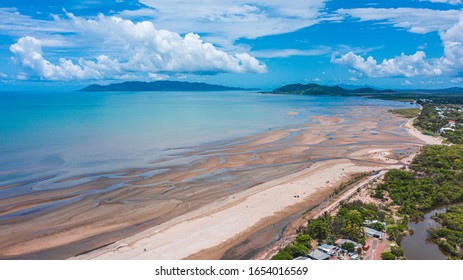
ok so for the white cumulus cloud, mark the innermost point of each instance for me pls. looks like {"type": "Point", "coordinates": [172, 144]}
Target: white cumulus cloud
{"type": "Point", "coordinates": [29, 53]}
{"type": "Point", "coordinates": [407, 83]}
{"type": "Point", "coordinates": [135, 47]}
{"type": "Point", "coordinates": [403, 65]}
{"type": "Point", "coordinates": [449, 25]}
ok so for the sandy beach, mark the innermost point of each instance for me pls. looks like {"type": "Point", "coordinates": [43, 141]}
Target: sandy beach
{"type": "Point", "coordinates": [428, 139]}
{"type": "Point", "coordinates": [204, 202]}
{"type": "Point", "coordinates": [215, 224]}
{"type": "Point", "coordinates": [208, 232]}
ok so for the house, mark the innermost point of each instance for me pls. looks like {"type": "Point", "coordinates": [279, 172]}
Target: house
{"type": "Point", "coordinates": [302, 259]}
{"type": "Point", "coordinates": [452, 123]}
{"type": "Point", "coordinates": [339, 242]}
{"type": "Point", "coordinates": [368, 222]}
{"type": "Point", "coordinates": [328, 249]}
{"type": "Point", "coordinates": [445, 129]}
{"type": "Point", "coordinates": [373, 233]}
{"type": "Point", "coordinates": [318, 255]}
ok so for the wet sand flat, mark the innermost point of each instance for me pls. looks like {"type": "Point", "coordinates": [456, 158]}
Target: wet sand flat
{"type": "Point", "coordinates": [200, 201]}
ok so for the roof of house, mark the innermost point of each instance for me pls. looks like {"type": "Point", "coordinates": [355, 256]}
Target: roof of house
{"type": "Point", "coordinates": [318, 255]}
{"type": "Point", "coordinates": [371, 231]}
{"type": "Point", "coordinates": [301, 259]}
{"type": "Point", "coordinates": [326, 246]}
{"type": "Point", "coordinates": [368, 222]}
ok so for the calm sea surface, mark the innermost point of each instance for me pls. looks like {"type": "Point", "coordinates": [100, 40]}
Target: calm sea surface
{"type": "Point", "coordinates": [62, 134]}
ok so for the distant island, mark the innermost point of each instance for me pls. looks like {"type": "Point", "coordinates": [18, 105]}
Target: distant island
{"type": "Point", "coordinates": [159, 86]}
{"type": "Point", "coordinates": [313, 89]}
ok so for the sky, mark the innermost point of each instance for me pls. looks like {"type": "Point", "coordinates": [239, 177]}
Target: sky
{"type": "Point", "coordinates": [246, 43]}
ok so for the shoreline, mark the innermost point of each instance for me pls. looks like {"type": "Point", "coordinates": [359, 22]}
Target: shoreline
{"type": "Point", "coordinates": [332, 204]}
{"type": "Point", "coordinates": [221, 225]}
{"type": "Point", "coordinates": [226, 216]}
{"type": "Point", "coordinates": [428, 139]}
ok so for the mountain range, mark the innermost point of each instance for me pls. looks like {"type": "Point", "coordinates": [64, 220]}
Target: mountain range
{"type": "Point", "coordinates": [158, 86]}
{"type": "Point", "coordinates": [298, 89]}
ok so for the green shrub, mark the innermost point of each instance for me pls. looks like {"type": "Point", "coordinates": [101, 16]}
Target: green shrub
{"type": "Point", "coordinates": [387, 256]}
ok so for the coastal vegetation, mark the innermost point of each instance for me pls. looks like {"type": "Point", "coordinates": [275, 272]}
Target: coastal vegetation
{"type": "Point", "coordinates": [429, 120]}
{"type": "Point", "coordinates": [445, 120]}
{"type": "Point", "coordinates": [388, 256]}
{"type": "Point", "coordinates": [455, 136]}
{"type": "Point", "coordinates": [397, 251]}
{"type": "Point", "coordinates": [406, 113]}
{"type": "Point", "coordinates": [300, 247]}
{"type": "Point", "coordinates": [450, 236]}
{"type": "Point", "coordinates": [354, 180]}
{"type": "Point", "coordinates": [315, 89]}
{"type": "Point", "coordinates": [434, 178]}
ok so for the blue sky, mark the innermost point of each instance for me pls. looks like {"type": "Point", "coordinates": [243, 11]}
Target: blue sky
{"type": "Point", "coordinates": [265, 44]}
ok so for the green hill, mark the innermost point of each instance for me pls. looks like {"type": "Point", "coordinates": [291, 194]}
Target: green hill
{"type": "Point", "coordinates": [315, 89]}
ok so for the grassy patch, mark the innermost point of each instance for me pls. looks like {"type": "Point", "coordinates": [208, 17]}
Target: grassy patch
{"type": "Point", "coordinates": [406, 113]}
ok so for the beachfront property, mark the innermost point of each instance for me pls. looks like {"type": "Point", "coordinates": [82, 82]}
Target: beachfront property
{"type": "Point", "coordinates": [335, 252]}
{"type": "Point", "coordinates": [445, 129]}
{"type": "Point", "coordinates": [332, 252]}
{"type": "Point", "coordinates": [448, 113]}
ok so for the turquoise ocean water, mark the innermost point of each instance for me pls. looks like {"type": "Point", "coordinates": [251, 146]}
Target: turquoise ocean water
{"type": "Point", "coordinates": [61, 134]}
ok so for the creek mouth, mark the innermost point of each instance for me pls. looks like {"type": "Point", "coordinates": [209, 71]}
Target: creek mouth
{"type": "Point", "coordinates": [418, 246]}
